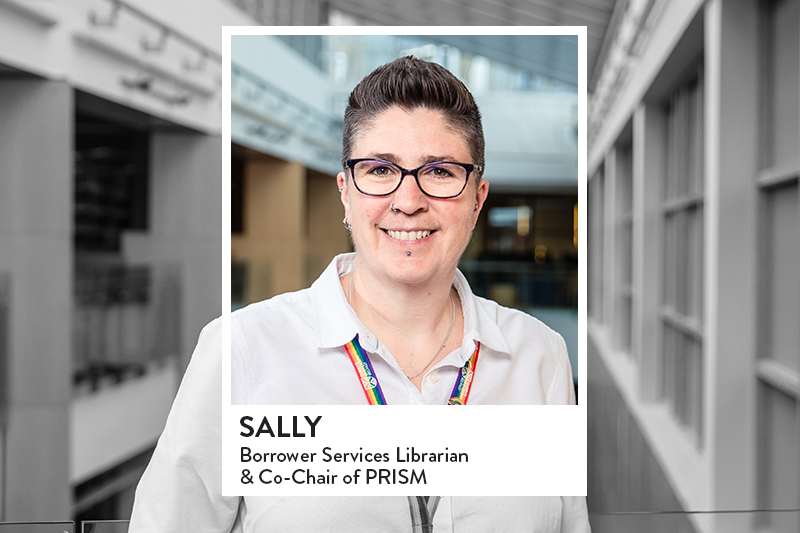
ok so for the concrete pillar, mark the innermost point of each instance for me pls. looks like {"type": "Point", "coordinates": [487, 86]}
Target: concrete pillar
{"type": "Point", "coordinates": [36, 253]}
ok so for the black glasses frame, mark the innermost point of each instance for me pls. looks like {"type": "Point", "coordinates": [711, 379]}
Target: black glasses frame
{"type": "Point", "coordinates": [351, 163]}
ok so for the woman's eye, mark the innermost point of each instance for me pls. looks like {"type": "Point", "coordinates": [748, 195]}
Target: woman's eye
{"type": "Point", "coordinates": [439, 172]}
{"type": "Point", "coordinates": [381, 171]}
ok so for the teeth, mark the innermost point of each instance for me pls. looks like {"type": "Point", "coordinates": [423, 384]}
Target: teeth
{"type": "Point", "coordinates": [408, 236]}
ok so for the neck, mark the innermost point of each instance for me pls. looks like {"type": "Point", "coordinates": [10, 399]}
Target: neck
{"type": "Point", "coordinates": [411, 320]}
{"type": "Point", "coordinates": [417, 309]}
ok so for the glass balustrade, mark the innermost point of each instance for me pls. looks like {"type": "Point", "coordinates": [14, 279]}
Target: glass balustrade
{"type": "Point", "coordinates": [126, 320]}
{"type": "Point", "coordinates": [37, 527]}
{"type": "Point", "coordinates": [524, 285]}
{"type": "Point", "coordinates": [774, 521]}
{"type": "Point", "coordinates": [104, 526]}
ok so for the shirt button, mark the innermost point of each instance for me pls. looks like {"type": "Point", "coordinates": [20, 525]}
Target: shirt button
{"type": "Point", "coordinates": [434, 377]}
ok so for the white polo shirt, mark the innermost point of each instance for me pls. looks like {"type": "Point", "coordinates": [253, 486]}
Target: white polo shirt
{"type": "Point", "coordinates": [180, 490]}
{"type": "Point", "coordinates": [290, 350]}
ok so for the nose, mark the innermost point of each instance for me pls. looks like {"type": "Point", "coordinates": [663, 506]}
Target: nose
{"type": "Point", "coordinates": [408, 197]}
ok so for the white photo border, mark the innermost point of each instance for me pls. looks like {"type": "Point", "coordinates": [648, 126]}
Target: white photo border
{"type": "Point", "coordinates": [519, 450]}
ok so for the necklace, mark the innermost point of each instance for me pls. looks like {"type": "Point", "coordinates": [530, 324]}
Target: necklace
{"type": "Point", "coordinates": [449, 331]}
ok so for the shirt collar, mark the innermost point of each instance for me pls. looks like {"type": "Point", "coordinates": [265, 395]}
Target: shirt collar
{"type": "Point", "coordinates": [333, 320]}
{"type": "Point", "coordinates": [335, 324]}
{"type": "Point", "coordinates": [478, 324]}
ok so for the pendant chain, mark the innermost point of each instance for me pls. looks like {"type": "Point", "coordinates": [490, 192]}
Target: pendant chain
{"type": "Point", "coordinates": [449, 331]}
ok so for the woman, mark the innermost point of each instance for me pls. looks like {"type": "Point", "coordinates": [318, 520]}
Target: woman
{"type": "Point", "coordinates": [397, 315]}
{"type": "Point", "coordinates": [393, 323]}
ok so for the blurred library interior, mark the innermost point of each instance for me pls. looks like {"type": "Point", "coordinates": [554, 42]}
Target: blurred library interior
{"type": "Point", "coordinates": [286, 121]}
{"type": "Point", "coordinates": [110, 227]}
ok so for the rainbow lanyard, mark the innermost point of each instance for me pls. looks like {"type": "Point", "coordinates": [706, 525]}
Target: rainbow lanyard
{"type": "Point", "coordinates": [372, 388]}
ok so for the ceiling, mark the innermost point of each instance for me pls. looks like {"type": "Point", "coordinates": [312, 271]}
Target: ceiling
{"type": "Point", "coordinates": [551, 56]}
{"type": "Point", "coordinates": [534, 137]}
{"type": "Point", "coordinates": [596, 15]}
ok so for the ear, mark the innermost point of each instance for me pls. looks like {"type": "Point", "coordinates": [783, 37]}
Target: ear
{"type": "Point", "coordinates": [341, 183]}
{"type": "Point", "coordinates": [480, 199]}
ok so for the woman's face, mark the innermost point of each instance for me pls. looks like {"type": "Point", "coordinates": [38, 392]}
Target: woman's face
{"type": "Point", "coordinates": [411, 139]}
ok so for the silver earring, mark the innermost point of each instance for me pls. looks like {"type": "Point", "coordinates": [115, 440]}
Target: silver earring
{"type": "Point", "coordinates": [340, 189]}
{"type": "Point", "coordinates": [393, 209]}
{"type": "Point", "coordinates": [347, 226]}
{"type": "Point", "coordinates": [476, 207]}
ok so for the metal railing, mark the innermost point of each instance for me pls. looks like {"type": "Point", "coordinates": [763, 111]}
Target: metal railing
{"type": "Point", "coordinates": [104, 526]}
{"type": "Point", "coordinates": [777, 520]}
{"type": "Point", "coordinates": [126, 319]}
{"type": "Point", "coordinates": [523, 284]}
{"type": "Point", "coordinates": [755, 520]}
{"type": "Point", "coordinates": [37, 527]}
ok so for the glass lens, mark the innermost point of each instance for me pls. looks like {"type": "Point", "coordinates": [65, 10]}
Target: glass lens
{"type": "Point", "coordinates": [436, 179]}
{"type": "Point", "coordinates": [376, 177]}
{"type": "Point", "coordinates": [442, 179]}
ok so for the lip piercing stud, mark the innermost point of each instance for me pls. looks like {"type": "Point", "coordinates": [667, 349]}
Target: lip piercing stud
{"type": "Point", "coordinates": [408, 253]}
{"type": "Point", "coordinates": [393, 209]}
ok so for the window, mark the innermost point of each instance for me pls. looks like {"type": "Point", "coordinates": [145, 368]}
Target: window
{"type": "Point", "coordinates": [595, 246]}
{"type": "Point", "coordinates": [780, 80]}
{"type": "Point", "coordinates": [682, 284]}
{"type": "Point", "coordinates": [778, 357]}
{"type": "Point", "coordinates": [111, 183]}
{"type": "Point", "coordinates": [624, 240]}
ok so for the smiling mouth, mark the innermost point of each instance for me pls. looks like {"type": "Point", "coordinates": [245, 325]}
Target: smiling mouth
{"type": "Point", "coordinates": [408, 235]}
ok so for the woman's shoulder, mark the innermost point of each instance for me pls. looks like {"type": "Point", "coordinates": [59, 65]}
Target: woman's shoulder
{"type": "Point", "coordinates": [533, 347]}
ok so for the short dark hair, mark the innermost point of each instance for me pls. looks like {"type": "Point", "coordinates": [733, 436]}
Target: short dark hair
{"type": "Point", "coordinates": [412, 83]}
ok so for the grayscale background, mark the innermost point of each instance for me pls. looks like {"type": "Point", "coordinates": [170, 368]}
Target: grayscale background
{"type": "Point", "coordinates": [110, 228]}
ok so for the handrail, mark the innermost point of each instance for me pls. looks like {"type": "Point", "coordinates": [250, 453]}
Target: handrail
{"type": "Point", "coordinates": [330, 123]}
{"type": "Point", "coordinates": [166, 31]}
{"type": "Point", "coordinates": [595, 518]}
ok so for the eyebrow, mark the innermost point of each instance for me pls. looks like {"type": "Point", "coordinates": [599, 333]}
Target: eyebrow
{"type": "Point", "coordinates": [392, 158]}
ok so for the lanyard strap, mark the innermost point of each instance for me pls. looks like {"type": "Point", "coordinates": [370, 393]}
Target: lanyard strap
{"type": "Point", "coordinates": [463, 384]}
{"type": "Point", "coordinates": [422, 509]}
{"type": "Point", "coordinates": [369, 381]}
{"type": "Point", "coordinates": [372, 387]}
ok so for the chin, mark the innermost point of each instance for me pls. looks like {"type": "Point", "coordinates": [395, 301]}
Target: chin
{"type": "Point", "coordinates": [410, 271]}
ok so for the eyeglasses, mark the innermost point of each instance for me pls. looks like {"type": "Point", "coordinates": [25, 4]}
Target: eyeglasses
{"type": "Point", "coordinates": [444, 179]}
